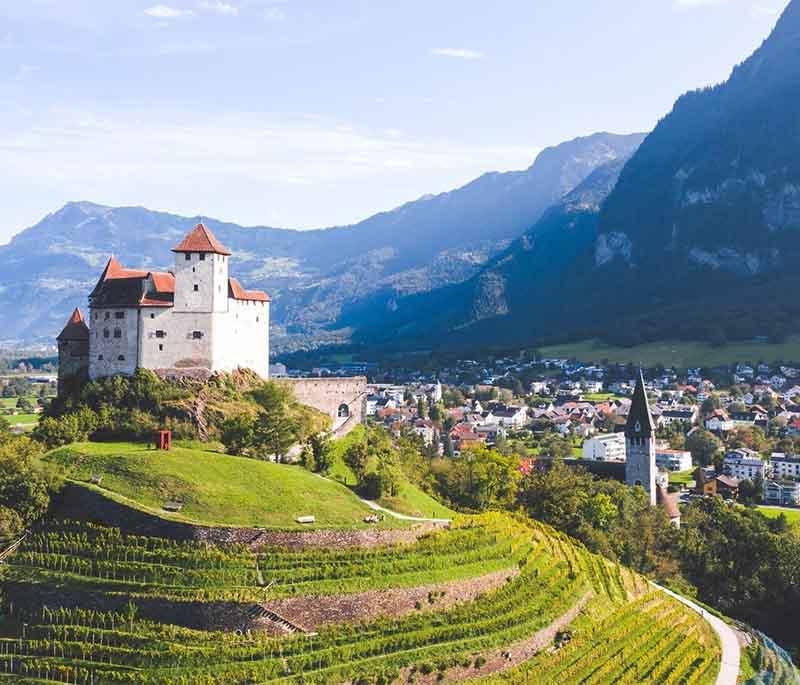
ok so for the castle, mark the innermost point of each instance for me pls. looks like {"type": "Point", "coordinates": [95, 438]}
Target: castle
{"type": "Point", "coordinates": [193, 320]}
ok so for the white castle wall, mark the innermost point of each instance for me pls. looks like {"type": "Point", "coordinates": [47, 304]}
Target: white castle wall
{"type": "Point", "coordinates": [209, 275]}
{"type": "Point", "coordinates": [176, 347]}
{"type": "Point", "coordinates": [112, 355]}
{"type": "Point", "coordinates": [241, 337]}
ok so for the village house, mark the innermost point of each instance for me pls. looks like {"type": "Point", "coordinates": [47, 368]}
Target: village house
{"type": "Point", "coordinates": [673, 460]}
{"type": "Point", "coordinates": [745, 464]}
{"type": "Point", "coordinates": [784, 465]}
{"type": "Point", "coordinates": [719, 422]}
{"type": "Point", "coordinates": [607, 447]}
{"type": "Point", "coordinates": [784, 493]}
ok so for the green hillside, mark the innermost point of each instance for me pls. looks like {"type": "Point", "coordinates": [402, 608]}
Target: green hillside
{"type": "Point", "coordinates": [558, 614]}
{"type": "Point", "coordinates": [215, 488]}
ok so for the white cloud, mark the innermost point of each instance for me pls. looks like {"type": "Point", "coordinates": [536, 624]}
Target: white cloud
{"type": "Point", "coordinates": [220, 7]}
{"type": "Point", "coordinates": [308, 172]}
{"type": "Point", "coordinates": [167, 12]}
{"type": "Point", "coordinates": [459, 53]}
{"type": "Point", "coordinates": [274, 14]}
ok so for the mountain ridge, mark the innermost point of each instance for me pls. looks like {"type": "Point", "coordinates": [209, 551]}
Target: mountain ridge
{"type": "Point", "coordinates": [313, 273]}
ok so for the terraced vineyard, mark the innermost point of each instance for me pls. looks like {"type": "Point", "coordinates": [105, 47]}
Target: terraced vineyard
{"type": "Point", "coordinates": [619, 630]}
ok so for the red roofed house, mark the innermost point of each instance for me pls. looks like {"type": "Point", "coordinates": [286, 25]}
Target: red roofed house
{"type": "Point", "coordinates": [193, 320]}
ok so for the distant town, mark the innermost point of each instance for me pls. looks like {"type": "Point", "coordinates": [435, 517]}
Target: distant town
{"type": "Point", "coordinates": [728, 430]}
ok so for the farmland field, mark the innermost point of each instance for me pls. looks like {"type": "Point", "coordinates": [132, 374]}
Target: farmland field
{"type": "Point", "coordinates": [678, 353]}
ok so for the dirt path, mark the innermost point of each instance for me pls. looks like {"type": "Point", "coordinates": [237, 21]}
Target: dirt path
{"type": "Point", "coordinates": [403, 517]}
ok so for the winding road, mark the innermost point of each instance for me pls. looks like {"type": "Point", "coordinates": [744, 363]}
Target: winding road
{"type": "Point", "coordinates": [729, 670]}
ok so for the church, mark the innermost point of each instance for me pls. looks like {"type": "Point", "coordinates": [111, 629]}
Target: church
{"type": "Point", "coordinates": [192, 320]}
{"type": "Point", "coordinates": [640, 454]}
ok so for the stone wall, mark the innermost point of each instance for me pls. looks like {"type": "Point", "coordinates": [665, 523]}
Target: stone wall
{"type": "Point", "coordinates": [331, 396]}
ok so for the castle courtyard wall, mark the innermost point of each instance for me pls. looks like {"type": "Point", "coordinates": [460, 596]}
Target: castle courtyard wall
{"type": "Point", "coordinates": [329, 394]}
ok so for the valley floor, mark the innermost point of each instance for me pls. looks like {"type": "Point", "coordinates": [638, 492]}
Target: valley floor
{"type": "Point", "coordinates": [679, 354]}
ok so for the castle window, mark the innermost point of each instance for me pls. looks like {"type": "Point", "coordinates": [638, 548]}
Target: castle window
{"type": "Point", "coordinates": [197, 335]}
{"type": "Point", "coordinates": [256, 319]}
{"type": "Point", "coordinates": [121, 358]}
{"type": "Point", "coordinates": [188, 256]}
{"type": "Point", "coordinates": [119, 315]}
{"type": "Point", "coordinates": [117, 332]}
{"type": "Point", "coordinates": [152, 316]}
{"type": "Point", "coordinates": [161, 334]}
{"type": "Point", "coordinates": [160, 348]}
{"type": "Point", "coordinates": [100, 357]}
{"type": "Point", "coordinates": [106, 333]}
{"type": "Point", "coordinates": [108, 315]}
{"type": "Point", "coordinates": [343, 411]}
{"type": "Point", "coordinates": [202, 256]}
{"type": "Point", "coordinates": [196, 287]}
{"type": "Point", "coordinates": [193, 270]}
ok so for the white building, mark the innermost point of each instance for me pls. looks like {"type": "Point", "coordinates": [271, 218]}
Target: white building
{"type": "Point", "coordinates": [782, 492]}
{"type": "Point", "coordinates": [606, 447]}
{"type": "Point", "coordinates": [673, 460]}
{"type": "Point", "coordinates": [508, 416]}
{"type": "Point", "coordinates": [785, 465]}
{"type": "Point", "coordinates": [195, 319]}
{"type": "Point", "coordinates": [745, 464]}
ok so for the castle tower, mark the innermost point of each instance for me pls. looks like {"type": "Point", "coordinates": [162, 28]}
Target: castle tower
{"type": "Point", "coordinates": [201, 273]}
{"type": "Point", "coordinates": [73, 352]}
{"type": "Point", "coordinates": [640, 443]}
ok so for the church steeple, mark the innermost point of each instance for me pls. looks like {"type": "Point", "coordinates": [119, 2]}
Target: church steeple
{"type": "Point", "coordinates": [640, 420]}
{"type": "Point", "coordinates": [640, 443]}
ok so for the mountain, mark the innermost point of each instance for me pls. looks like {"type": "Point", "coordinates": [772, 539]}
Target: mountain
{"type": "Point", "coordinates": [49, 268]}
{"type": "Point", "coordinates": [512, 297]}
{"type": "Point", "coordinates": [695, 237]}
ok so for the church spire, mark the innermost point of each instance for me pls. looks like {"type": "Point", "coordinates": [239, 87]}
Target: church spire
{"type": "Point", "coordinates": [640, 420]}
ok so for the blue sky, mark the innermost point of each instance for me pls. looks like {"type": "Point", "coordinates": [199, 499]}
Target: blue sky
{"type": "Point", "coordinates": [321, 112]}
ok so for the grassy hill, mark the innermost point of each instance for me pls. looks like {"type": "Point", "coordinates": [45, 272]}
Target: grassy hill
{"type": "Point", "coordinates": [215, 488]}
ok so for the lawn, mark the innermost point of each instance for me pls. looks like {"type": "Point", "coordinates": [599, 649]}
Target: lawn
{"type": "Point", "coordinates": [412, 501]}
{"type": "Point", "coordinates": [215, 488]}
{"type": "Point", "coordinates": [682, 478]}
{"type": "Point", "coordinates": [792, 515]}
{"type": "Point", "coordinates": [23, 419]}
{"type": "Point", "coordinates": [602, 397]}
{"type": "Point", "coordinates": [678, 354]}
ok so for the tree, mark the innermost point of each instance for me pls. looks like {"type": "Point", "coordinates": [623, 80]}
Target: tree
{"type": "Point", "coordinates": [26, 483]}
{"type": "Point", "coordinates": [422, 408]}
{"type": "Point", "coordinates": [599, 510]}
{"type": "Point", "coordinates": [706, 448]}
{"type": "Point", "coordinates": [237, 434]}
{"type": "Point", "coordinates": [356, 457]}
{"type": "Point", "coordinates": [320, 445]}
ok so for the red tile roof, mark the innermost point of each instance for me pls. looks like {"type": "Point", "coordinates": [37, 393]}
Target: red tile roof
{"type": "Point", "coordinates": [201, 239]}
{"type": "Point", "coordinates": [237, 292]}
{"type": "Point", "coordinates": [114, 270]}
{"type": "Point", "coordinates": [163, 281]}
{"type": "Point", "coordinates": [75, 329]}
